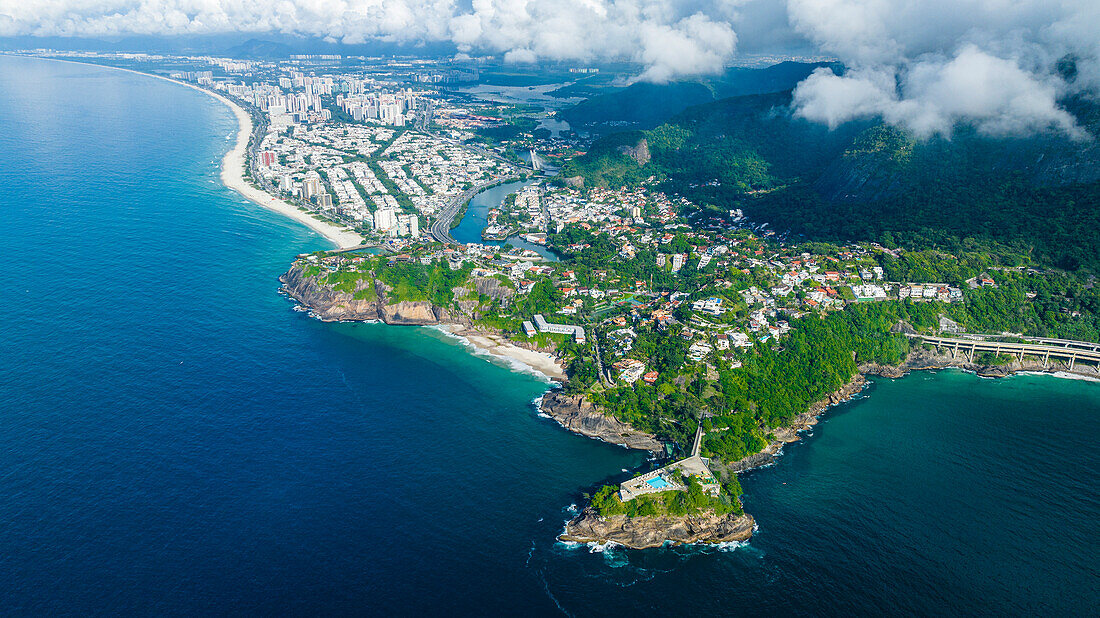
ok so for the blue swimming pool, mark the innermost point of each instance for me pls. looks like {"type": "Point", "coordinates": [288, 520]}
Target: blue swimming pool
{"type": "Point", "coordinates": [657, 483]}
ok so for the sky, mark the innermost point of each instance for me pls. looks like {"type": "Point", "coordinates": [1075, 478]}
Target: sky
{"type": "Point", "coordinates": [925, 65]}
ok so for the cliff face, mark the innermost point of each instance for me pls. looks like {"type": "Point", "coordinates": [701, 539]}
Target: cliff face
{"type": "Point", "coordinates": [331, 305]}
{"type": "Point", "coordinates": [645, 532]}
{"type": "Point", "coordinates": [580, 416]}
{"type": "Point", "coordinates": [639, 152]}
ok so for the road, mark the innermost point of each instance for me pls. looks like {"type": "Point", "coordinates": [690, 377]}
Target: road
{"type": "Point", "coordinates": [1070, 350]}
{"type": "Point", "coordinates": [440, 228]}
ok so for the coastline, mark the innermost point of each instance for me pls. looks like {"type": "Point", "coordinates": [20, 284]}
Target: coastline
{"type": "Point", "coordinates": [541, 363]}
{"type": "Point", "coordinates": [233, 164]}
{"type": "Point", "coordinates": [917, 360]}
{"type": "Point", "coordinates": [232, 176]}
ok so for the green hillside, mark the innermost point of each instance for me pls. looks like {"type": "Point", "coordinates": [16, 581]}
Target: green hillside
{"type": "Point", "coordinates": [867, 181]}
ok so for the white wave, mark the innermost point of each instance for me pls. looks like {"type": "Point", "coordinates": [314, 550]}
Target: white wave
{"type": "Point", "coordinates": [537, 402]}
{"type": "Point", "coordinates": [730, 545]}
{"type": "Point", "coordinates": [571, 509]}
{"type": "Point", "coordinates": [599, 548]}
{"type": "Point", "coordinates": [498, 359]}
{"type": "Point", "coordinates": [1065, 375]}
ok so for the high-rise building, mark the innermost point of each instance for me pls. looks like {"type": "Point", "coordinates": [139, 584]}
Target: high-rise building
{"type": "Point", "coordinates": [267, 158]}
{"type": "Point", "coordinates": [385, 220]}
{"type": "Point", "coordinates": [408, 225]}
{"type": "Point", "coordinates": [311, 186]}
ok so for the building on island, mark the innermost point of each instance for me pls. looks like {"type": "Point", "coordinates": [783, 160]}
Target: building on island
{"type": "Point", "coordinates": [670, 478]}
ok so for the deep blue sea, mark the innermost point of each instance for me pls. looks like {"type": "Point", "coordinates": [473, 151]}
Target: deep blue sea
{"type": "Point", "coordinates": [175, 439]}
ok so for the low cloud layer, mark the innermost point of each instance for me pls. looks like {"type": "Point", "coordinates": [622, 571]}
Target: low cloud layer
{"type": "Point", "coordinates": [671, 38]}
{"type": "Point", "coordinates": [926, 65]}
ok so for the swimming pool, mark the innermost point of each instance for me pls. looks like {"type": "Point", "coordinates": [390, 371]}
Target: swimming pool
{"type": "Point", "coordinates": [657, 483]}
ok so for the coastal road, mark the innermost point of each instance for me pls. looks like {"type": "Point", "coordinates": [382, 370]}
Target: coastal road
{"type": "Point", "coordinates": [1072, 351]}
{"type": "Point", "coordinates": [440, 228]}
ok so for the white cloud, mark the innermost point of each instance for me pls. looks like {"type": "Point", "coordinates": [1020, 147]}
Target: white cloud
{"type": "Point", "coordinates": [930, 64]}
{"type": "Point", "coordinates": [923, 64]}
{"type": "Point", "coordinates": [673, 38]}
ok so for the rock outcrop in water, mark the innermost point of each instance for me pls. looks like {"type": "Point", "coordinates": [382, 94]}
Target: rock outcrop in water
{"type": "Point", "coordinates": [646, 532]}
{"type": "Point", "coordinates": [581, 416]}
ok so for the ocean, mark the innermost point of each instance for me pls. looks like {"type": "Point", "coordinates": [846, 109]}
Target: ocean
{"type": "Point", "coordinates": [176, 439]}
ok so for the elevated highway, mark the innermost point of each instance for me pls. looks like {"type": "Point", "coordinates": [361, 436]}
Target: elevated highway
{"type": "Point", "coordinates": [1073, 351]}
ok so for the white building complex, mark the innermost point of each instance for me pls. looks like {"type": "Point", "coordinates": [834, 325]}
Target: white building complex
{"type": "Point", "coordinates": [560, 329]}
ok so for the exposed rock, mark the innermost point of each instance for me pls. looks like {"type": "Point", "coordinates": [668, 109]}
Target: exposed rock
{"type": "Point", "coordinates": [581, 416]}
{"type": "Point", "coordinates": [920, 359]}
{"type": "Point", "coordinates": [645, 532]}
{"type": "Point", "coordinates": [330, 305]}
{"type": "Point", "coordinates": [639, 152]}
{"type": "Point", "coordinates": [414, 313]}
{"type": "Point", "coordinates": [575, 181]}
{"type": "Point", "coordinates": [493, 288]}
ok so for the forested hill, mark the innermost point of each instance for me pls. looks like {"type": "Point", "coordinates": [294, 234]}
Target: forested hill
{"type": "Point", "coordinates": [867, 181]}
{"type": "Point", "coordinates": [644, 105]}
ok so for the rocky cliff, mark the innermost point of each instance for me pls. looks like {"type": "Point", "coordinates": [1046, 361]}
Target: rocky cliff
{"type": "Point", "coordinates": [639, 151]}
{"type": "Point", "coordinates": [580, 416]}
{"type": "Point", "coordinates": [331, 305]}
{"type": "Point", "coordinates": [645, 532]}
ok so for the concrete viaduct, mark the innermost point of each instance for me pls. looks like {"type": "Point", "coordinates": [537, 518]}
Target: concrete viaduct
{"type": "Point", "coordinates": [1073, 351]}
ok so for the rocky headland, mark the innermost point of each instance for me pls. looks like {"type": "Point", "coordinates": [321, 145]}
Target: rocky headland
{"type": "Point", "coordinates": [331, 305]}
{"type": "Point", "coordinates": [580, 416]}
{"type": "Point", "coordinates": [328, 304]}
{"type": "Point", "coordinates": [647, 532]}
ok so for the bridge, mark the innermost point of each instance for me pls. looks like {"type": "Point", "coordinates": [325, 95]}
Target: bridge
{"type": "Point", "coordinates": [697, 446]}
{"type": "Point", "coordinates": [1073, 351]}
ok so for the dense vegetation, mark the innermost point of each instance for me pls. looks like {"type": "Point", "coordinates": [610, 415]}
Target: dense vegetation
{"type": "Point", "coordinates": [411, 281]}
{"type": "Point", "coordinates": [1036, 196]}
{"type": "Point", "coordinates": [646, 105]}
{"type": "Point", "coordinates": [774, 385]}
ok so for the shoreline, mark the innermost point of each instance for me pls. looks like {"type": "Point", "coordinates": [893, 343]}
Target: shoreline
{"type": "Point", "coordinates": [541, 363]}
{"type": "Point", "coordinates": [916, 361]}
{"type": "Point", "coordinates": [233, 164]}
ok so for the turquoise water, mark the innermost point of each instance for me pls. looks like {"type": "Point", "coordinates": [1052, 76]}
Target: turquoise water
{"type": "Point", "coordinates": [175, 439]}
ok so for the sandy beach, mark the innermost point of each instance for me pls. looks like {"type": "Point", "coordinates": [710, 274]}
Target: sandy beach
{"type": "Point", "coordinates": [233, 177]}
{"type": "Point", "coordinates": [232, 171]}
{"type": "Point", "coordinates": [498, 346]}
